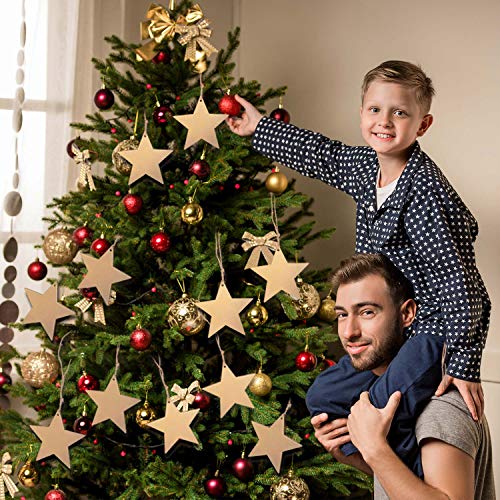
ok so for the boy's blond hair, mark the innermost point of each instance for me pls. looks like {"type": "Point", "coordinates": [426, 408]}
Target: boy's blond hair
{"type": "Point", "coordinates": [406, 74]}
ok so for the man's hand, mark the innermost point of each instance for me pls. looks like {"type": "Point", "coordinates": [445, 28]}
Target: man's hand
{"type": "Point", "coordinates": [249, 120]}
{"type": "Point", "coordinates": [368, 426]}
{"type": "Point", "coordinates": [471, 392]}
{"type": "Point", "coordinates": [331, 435]}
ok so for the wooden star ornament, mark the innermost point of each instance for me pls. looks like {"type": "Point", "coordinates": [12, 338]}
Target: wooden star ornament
{"type": "Point", "coordinates": [45, 309]}
{"type": "Point", "coordinates": [280, 276]}
{"type": "Point", "coordinates": [145, 160]}
{"type": "Point", "coordinates": [201, 125]}
{"type": "Point", "coordinates": [56, 440]}
{"type": "Point", "coordinates": [102, 274]}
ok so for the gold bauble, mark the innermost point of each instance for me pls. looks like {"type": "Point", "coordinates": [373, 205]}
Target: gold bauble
{"type": "Point", "coordinates": [257, 315]}
{"type": "Point", "coordinates": [185, 315]}
{"type": "Point", "coordinates": [192, 213]}
{"type": "Point", "coordinates": [327, 310]}
{"type": "Point", "coordinates": [59, 247]}
{"type": "Point", "coordinates": [200, 64]}
{"type": "Point", "coordinates": [276, 182]}
{"type": "Point", "coordinates": [28, 476]}
{"type": "Point", "coordinates": [119, 162]}
{"type": "Point", "coordinates": [39, 368]}
{"type": "Point", "coordinates": [261, 384]}
{"type": "Point", "coordinates": [308, 302]}
{"type": "Point", "coordinates": [144, 415]}
{"type": "Point", "coordinates": [290, 487]}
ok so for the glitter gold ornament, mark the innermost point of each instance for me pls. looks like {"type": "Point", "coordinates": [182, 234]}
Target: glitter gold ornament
{"type": "Point", "coordinates": [185, 315]}
{"type": "Point", "coordinates": [28, 475]}
{"type": "Point", "coordinates": [276, 182]}
{"type": "Point", "coordinates": [257, 315]}
{"type": "Point", "coordinates": [144, 415]}
{"type": "Point", "coordinates": [39, 368]}
{"type": "Point", "coordinates": [59, 247]}
{"type": "Point", "coordinates": [308, 302]}
{"type": "Point", "coordinates": [119, 162]}
{"type": "Point", "coordinates": [290, 487]}
{"type": "Point", "coordinates": [261, 384]}
{"type": "Point", "coordinates": [326, 310]}
{"type": "Point", "coordinates": [192, 212]}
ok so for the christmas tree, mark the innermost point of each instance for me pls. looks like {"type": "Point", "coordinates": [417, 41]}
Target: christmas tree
{"type": "Point", "coordinates": [194, 329]}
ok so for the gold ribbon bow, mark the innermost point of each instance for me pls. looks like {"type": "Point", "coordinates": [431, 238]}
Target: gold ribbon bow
{"type": "Point", "coordinates": [183, 396]}
{"type": "Point", "coordinates": [82, 158]}
{"type": "Point", "coordinates": [5, 480]}
{"type": "Point", "coordinates": [261, 245]}
{"type": "Point", "coordinates": [99, 316]}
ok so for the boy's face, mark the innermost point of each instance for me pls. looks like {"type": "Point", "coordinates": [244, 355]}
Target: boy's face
{"type": "Point", "coordinates": [392, 119]}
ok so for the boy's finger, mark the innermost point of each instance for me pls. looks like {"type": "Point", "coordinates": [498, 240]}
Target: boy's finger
{"type": "Point", "coordinates": [470, 405]}
{"type": "Point", "coordinates": [242, 101]}
{"type": "Point", "coordinates": [445, 382]}
{"type": "Point", "coordinates": [478, 404]}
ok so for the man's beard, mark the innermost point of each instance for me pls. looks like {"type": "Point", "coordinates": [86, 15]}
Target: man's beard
{"type": "Point", "coordinates": [384, 353]}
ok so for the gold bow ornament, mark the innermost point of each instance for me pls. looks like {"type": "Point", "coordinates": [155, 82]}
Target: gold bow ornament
{"type": "Point", "coordinates": [99, 316]}
{"type": "Point", "coordinates": [261, 245]}
{"type": "Point", "coordinates": [5, 480]}
{"type": "Point", "coordinates": [82, 158]}
{"type": "Point", "coordinates": [184, 397]}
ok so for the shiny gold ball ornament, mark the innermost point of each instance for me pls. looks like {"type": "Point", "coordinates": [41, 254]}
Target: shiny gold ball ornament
{"type": "Point", "coordinates": [144, 415]}
{"type": "Point", "coordinates": [59, 247]}
{"type": "Point", "coordinates": [119, 162]}
{"type": "Point", "coordinates": [326, 310]}
{"type": "Point", "coordinates": [39, 368]}
{"type": "Point", "coordinates": [28, 475]}
{"type": "Point", "coordinates": [257, 315]}
{"type": "Point", "coordinates": [290, 487]}
{"type": "Point", "coordinates": [308, 302]}
{"type": "Point", "coordinates": [192, 213]}
{"type": "Point", "coordinates": [276, 182]}
{"type": "Point", "coordinates": [261, 384]}
{"type": "Point", "coordinates": [186, 315]}
{"type": "Point", "coordinates": [200, 64]}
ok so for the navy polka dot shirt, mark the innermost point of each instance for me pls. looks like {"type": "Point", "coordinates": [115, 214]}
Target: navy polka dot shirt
{"type": "Point", "coordinates": [424, 228]}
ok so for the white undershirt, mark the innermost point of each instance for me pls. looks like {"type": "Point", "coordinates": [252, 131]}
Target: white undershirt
{"type": "Point", "coordinates": [384, 192]}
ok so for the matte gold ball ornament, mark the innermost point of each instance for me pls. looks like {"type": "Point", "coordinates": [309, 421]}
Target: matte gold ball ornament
{"type": "Point", "coordinates": [192, 212]}
{"type": "Point", "coordinates": [276, 182]}
{"type": "Point", "coordinates": [308, 302]}
{"type": "Point", "coordinates": [326, 310]}
{"type": "Point", "coordinates": [261, 384]}
{"type": "Point", "coordinates": [257, 315]}
{"type": "Point", "coordinates": [186, 315]}
{"type": "Point", "coordinates": [144, 415]}
{"type": "Point", "coordinates": [290, 487]}
{"type": "Point", "coordinates": [28, 475]}
{"type": "Point", "coordinates": [39, 368]}
{"type": "Point", "coordinates": [59, 247]}
{"type": "Point", "coordinates": [119, 162]}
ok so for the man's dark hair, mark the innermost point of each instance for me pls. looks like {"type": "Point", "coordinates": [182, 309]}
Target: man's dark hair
{"type": "Point", "coordinates": [361, 265]}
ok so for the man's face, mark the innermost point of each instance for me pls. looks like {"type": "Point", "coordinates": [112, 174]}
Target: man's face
{"type": "Point", "coordinates": [369, 323]}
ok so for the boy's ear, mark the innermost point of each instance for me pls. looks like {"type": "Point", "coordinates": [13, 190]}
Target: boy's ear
{"type": "Point", "coordinates": [425, 124]}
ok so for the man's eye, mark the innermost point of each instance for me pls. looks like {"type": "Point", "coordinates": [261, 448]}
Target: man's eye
{"type": "Point", "coordinates": [367, 312]}
{"type": "Point", "coordinates": [341, 315]}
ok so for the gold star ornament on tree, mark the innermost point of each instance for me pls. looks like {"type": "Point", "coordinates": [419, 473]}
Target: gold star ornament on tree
{"type": "Point", "coordinates": [145, 160]}
{"type": "Point", "coordinates": [201, 125]}
{"type": "Point", "coordinates": [45, 309]}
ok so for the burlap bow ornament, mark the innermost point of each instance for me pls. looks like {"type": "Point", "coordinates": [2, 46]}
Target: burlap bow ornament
{"type": "Point", "coordinates": [5, 479]}
{"type": "Point", "coordinates": [184, 397]}
{"type": "Point", "coordinates": [99, 316]}
{"type": "Point", "coordinates": [82, 158]}
{"type": "Point", "coordinates": [261, 245]}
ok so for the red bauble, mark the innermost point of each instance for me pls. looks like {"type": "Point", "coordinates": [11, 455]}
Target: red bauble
{"type": "Point", "coordinates": [4, 380]}
{"type": "Point", "coordinates": [132, 203]}
{"type": "Point", "coordinates": [55, 495]}
{"type": "Point", "coordinates": [104, 99]}
{"type": "Point", "coordinates": [305, 361]}
{"type": "Point", "coordinates": [81, 234]}
{"type": "Point", "coordinates": [100, 246]}
{"type": "Point", "coordinates": [87, 383]}
{"type": "Point", "coordinates": [160, 242]}
{"type": "Point", "coordinates": [69, 149]}
{"type": "Point", "coordinates": [37, 270]}
{"type": "Point", "coordinates": [243, 469]}
{"type": "Point", "coordinates": [90, 293]}
{"type": "Point", "coordinates": [326, 363]}
{"type": "Point", "coordinates": [280, 114]}
{"type": "Point", "coordinates": [201, 400]}
{"type": "Point", "coordinates": [200, 168]}
{"type": "Point", "coordinates": [140, 339]}
{"type": "Point", "coordinates": [161, 57]}
{"type": "Point", "coordinates": [161, 115]}
{"type": "Point", "coordinates": [82, 425]}
{"type": "Point", "coordinates": [229, 105]}
{"type": "Point", "coordinates": [215, 487]}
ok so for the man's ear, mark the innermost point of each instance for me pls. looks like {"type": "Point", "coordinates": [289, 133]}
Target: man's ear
{"type": "Point", "coordinates": [425, 124]}
{"type": "Point", "coordinates": [408, 310]}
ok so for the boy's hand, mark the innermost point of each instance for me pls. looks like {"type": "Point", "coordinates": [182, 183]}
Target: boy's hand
{"type": "Point", "coordinates": [332, 435]}
{"type": "Point", "coordinates": [472, 392]}
{"type": "Point", "coordinates": [249, 120]}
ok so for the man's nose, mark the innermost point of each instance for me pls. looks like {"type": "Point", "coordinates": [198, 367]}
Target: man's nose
{"type": "Point", "coordinates": [350, 328]}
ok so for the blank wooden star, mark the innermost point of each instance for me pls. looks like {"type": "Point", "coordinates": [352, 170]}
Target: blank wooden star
{"type": "Point", "coordinates": [111, 405]}
{"type": "Point", "coordinates": [224, 311]}
{"type": "Point", "coordinates": [280, 276]}
{"type": "Point", "coordinates": [145, 160]}
{"type": "Point", "coordinates": [55, 440]}
{"type": "Point", "coordinates": [273, 442]}
{"type": "Point", "coordinates": [45, 309]}
{"type": "Point", "coordinates": [175, 425]}
{"type": "Point", "coordinates": [231, 390]}
{"type": "Point", "coordinates": [102, 274]}
{"type": "Point", "coordinates": [201, 125]}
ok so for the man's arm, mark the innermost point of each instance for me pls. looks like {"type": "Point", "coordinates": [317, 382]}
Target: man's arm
{"type": "Point", "coordinates": [448, 471]}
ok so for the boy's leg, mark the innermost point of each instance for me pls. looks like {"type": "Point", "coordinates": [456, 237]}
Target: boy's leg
{"type": "Point", "coordinates": [335, 390]}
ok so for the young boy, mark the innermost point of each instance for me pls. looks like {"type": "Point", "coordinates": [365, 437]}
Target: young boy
{"type": "Point", "coordinates": [408, 211]}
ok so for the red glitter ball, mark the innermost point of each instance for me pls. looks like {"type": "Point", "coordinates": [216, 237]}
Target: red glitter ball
{"type": "Point", "coordinates": [153, 289]}
{"type": "Point", "coordinates": [230, 442]}
{"type": "Point", "coordinates": [133, 313]}
{"type": "Point", "coordinates": [149, 86]}
{"type": "Point", "coordinates": [98, 215]}
{"type": "Point", "coordinates": [43, 464]}
{"type": "Point", "coordinates": [129, 120]}
{"type": "Point", "coordinates": [153, 452]}
{"type": "Point", "coordinates": [96, 441]}
{"type": "Point", "coordinates": [237, 186]}
{"type": "Point", "coordinates": [64, 420]}
{"type": "Point", "coordinates": [58, 385]}
{"type": "Point", "coordinates": [118, 193]}
{"type": "Point", "coordinates": [251, 330]}
{"type": "Point", "coordinates": [186, 182]}
{"type": "Point", "coordinates": [307, 436]}
{"type": "Point", "coordinates": [171, 186]}
{"type": "Point", "coordinates": [177, 97]}
{"type": "Point", "coordinates": [113, 130]}
{"type": "Point", "coordinates": [123, 453]}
